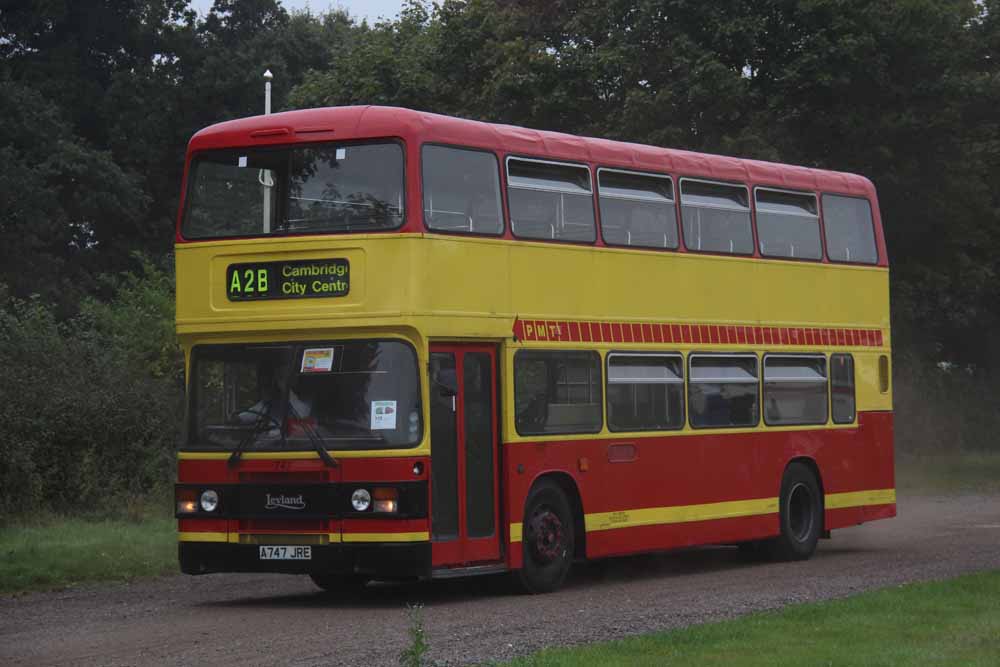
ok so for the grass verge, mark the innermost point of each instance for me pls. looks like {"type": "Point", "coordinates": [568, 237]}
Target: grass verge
{"type": "Point", "coordinates": [948, 473]}
{"type": "Point", "coordinates": [58, 552]}
{"type": "Point", "coordinates": [954, 622]}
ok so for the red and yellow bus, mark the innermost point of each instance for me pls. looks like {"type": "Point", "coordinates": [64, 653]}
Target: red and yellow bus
{"type": "Point", "coordinates": [419, 346]}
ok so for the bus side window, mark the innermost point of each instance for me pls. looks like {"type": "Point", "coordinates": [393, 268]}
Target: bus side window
{"type": "Point", "coordinates": [557, 392]}
{"type": "Point", "coordinates": [842, 388]}
{"type": "Point", "coordinates": [850, 235]}
{"type": "Point", "coordinates": [723, 390]}
{"type": "Point", "coordinates": [716, 217]}
{"type": "Point", "coordinates": [637, 209]}
{"type": "Point", "coordinates": [795, 389]}
{"type": "Point", "coordinates": [550, 200]}
{"type": "Point", "coordinates": [645, 392]}
{"type": "Point", "coordinates": [788, 224]}
{"type": "Point", "coordinates": [461, 190]}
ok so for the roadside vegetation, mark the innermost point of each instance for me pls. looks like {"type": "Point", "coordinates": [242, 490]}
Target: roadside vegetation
{"type": "Point", "coordinates": [955, 622]}
{"type": "Point", "coordinates": [92, 404]}
{"type": "Point", "coordinates": [57, 551]}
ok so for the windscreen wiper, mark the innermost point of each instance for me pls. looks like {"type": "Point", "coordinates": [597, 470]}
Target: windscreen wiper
{"type": "Point", "coordinates": [314, 438]}
{"type": "Point", "coordinates": [265, 422]}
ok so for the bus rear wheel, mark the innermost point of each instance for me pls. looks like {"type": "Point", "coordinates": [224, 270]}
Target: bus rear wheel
{"type": "Point", "coordinates": [339, 583]}
{"type": "Point", "coordinates": [801, 515]}
{"type": "Point", "coordinates": [547, 539]}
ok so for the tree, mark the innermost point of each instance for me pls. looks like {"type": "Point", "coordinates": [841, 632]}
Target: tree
{"type": "Point", "coordinates": [59, 195]}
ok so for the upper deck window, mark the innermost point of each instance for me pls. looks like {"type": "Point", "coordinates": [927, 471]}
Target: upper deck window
{"type": "Point", "coordinates": [637, 209]}
{"type": "Point", "coordinates": [788, 224]}
{"type": "Point", "coordinates": [716, 217]}
{"type": "Point", "coordinates": [850, 234]}
{"type": "Point", "coordinates": [318, 188]}
{"type": "Point", "coordinates": [550, 200]}
{"type": "Point", "coordinates": [461, 191]}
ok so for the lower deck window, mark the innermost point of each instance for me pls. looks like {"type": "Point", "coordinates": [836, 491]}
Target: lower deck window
{"type": "Point", "coordinates": [795, 389]}
{"type": "Point", "coordinates": [842, 385]}
{"type": "Point", "coordinates": [557, 392]}
{"type": "Point", "coordinates": [645, 392]}
{"type": "Point", "coordinates": [723, 391]}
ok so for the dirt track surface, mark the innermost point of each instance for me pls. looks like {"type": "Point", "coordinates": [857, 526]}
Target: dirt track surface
{"type": "Point", "coordinates": [274, 619]}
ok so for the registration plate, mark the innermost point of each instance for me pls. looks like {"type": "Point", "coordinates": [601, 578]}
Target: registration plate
{"type": "Point", "coordinates": [269, 552]}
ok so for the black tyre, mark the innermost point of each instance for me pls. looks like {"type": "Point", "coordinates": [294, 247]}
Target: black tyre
{"type": "Point", "coordinates": [547, 539]}
{"type": "Point", "coordinates": [801, 515]}
{"type": "Point", "coordinates": [339, 583]}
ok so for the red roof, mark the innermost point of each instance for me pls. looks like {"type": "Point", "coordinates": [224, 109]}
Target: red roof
{"type": "Point", "coordinates": [415, 127]}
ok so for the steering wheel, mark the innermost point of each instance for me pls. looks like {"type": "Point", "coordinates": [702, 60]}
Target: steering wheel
{"type": "Point", "coordinates": [274, 421]}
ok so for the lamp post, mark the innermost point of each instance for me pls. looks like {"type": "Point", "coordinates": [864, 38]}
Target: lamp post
{"type": "Point", "coordinates": [264, 176]}
{"type": "Point", "coordinates": [267, 91]}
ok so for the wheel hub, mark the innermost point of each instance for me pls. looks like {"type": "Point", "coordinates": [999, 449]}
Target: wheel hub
{"type": "Point", "coordinates": [546, 537]}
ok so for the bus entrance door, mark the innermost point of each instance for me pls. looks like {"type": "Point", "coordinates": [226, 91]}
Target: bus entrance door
{"type": "Point", "coordinates": [464, 478]}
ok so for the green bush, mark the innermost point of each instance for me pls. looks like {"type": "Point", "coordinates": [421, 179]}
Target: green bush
{"type": "Point", "coordinates": [91, 407]}
{"type": "Point", "coordinates": [942, 408]}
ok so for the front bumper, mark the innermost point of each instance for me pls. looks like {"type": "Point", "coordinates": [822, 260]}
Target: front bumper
{"type": "Point", "coordinates": [380, 561]}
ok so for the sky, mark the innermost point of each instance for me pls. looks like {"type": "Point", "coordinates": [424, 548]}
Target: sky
{"type": "Point", "coordinates": [359, 9]}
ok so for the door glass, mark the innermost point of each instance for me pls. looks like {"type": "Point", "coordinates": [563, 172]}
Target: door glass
{"type": "Point", "coordinates": [444, 446]}
{"type": "Point", "coordinates": [477, 377]}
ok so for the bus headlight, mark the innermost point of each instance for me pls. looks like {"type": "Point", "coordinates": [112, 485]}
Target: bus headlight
{"type": "Point", "coordinates": [209, 500]}
{"type": "Point", "coordinates": [361, 500]}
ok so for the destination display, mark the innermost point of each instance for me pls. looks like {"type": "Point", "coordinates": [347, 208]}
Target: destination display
{"type": "Point", "coordinates": [299, 279]}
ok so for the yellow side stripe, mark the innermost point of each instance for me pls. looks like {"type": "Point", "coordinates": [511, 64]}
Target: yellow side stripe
{"type": "Point", "coordinates": [836, 501]}
{"type": "Point", "coordinates": [202, 537]}
{"type": "Point", "coordinates": [655, 516]}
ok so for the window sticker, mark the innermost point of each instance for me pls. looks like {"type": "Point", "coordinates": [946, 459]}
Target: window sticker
{"type": "Point", "coordinates": [341, 153]}
{"type": "Point", "coordinates": [383, 415]}
{"type": "Point", "coordinates": [317, 360]}
{"type": "Point", "coordinates": [242, 161]}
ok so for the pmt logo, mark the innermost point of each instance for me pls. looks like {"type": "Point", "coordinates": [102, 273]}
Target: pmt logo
{"type": "Point", "coordinates": [284, 502]}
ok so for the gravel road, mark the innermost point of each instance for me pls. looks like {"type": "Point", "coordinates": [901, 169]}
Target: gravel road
{"type": "Point", "coordinates": [277, 620]}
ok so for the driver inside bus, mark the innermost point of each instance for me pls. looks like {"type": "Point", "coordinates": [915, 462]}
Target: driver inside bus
{"type": "Point", "coordinates": [271, 388]}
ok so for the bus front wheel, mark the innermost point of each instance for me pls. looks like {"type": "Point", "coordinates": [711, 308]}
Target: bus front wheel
{"type": "Point", "coordinates": [801, 515]}
{"type": "Point", "coordinates": [547, 539]}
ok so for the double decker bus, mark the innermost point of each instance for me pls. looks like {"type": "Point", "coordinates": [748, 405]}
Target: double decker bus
{"type": "Point", "coordinates": [422, 347]}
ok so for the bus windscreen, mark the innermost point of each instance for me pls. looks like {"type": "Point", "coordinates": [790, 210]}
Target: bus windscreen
{"type": "Point", "coordinates": [316, 188]}
{"type": "Point", "coordinates": [343, 394]}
